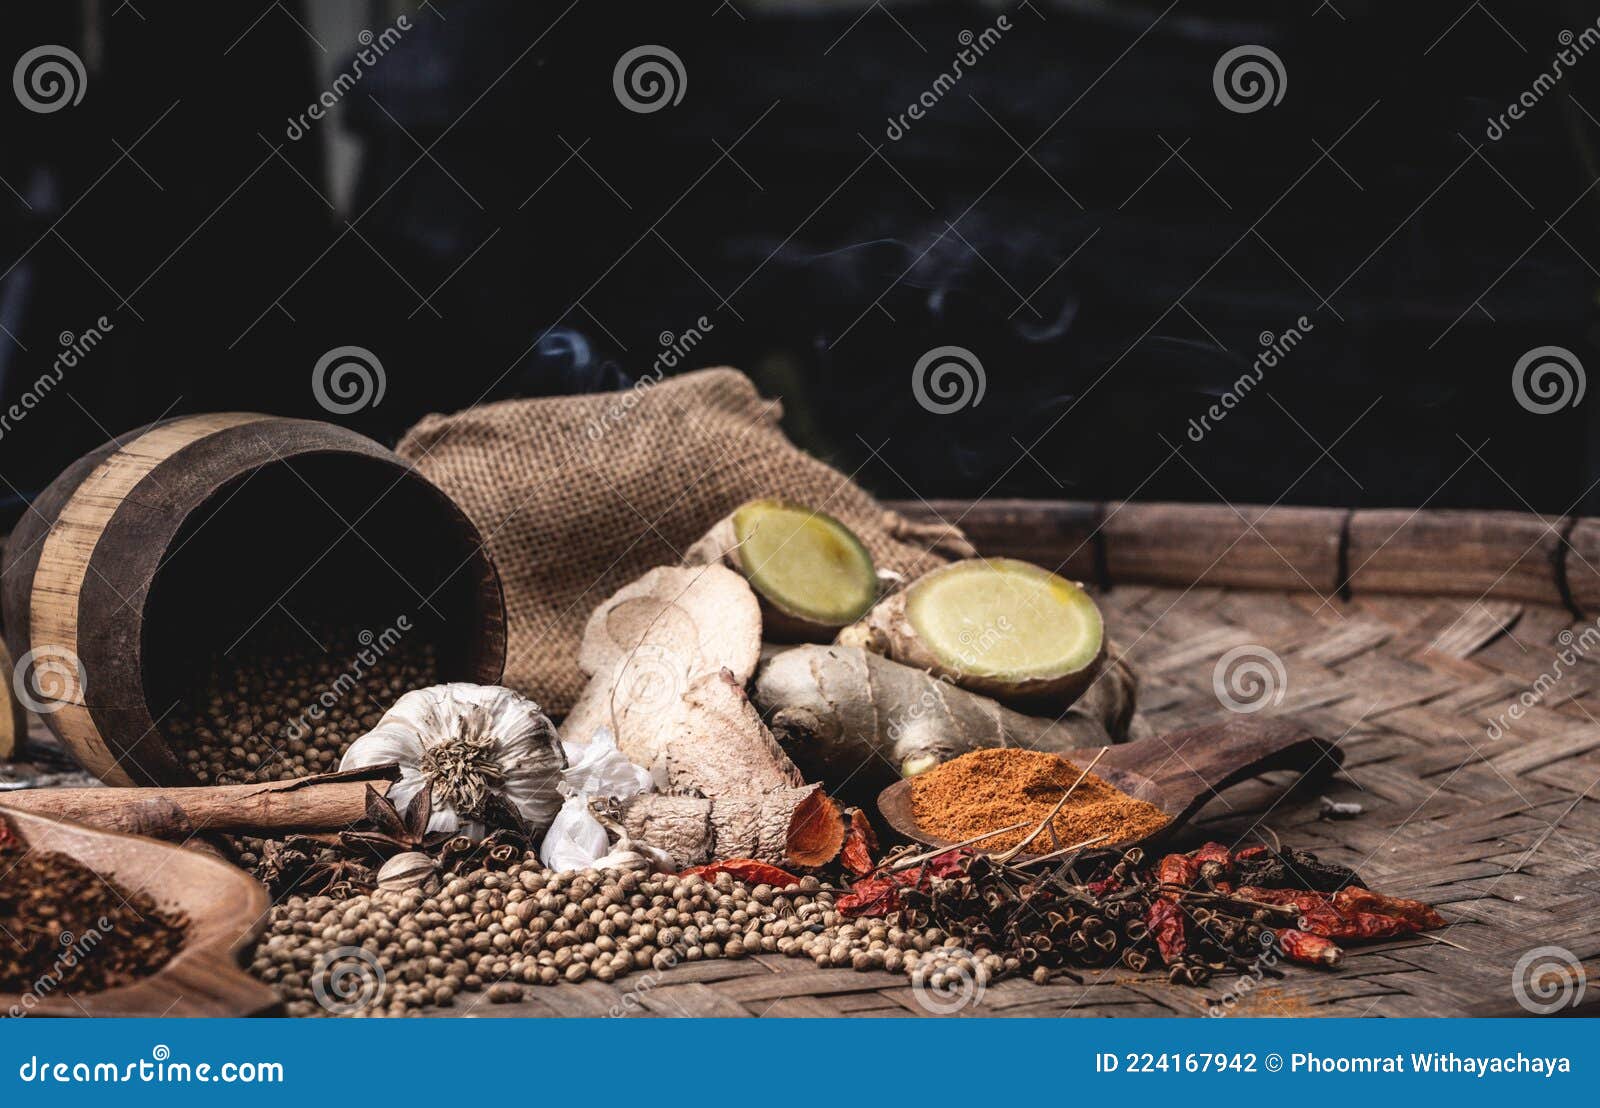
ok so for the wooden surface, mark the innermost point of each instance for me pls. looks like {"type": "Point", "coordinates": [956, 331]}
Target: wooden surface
{"type": "Point", "coordinates": [226, 911]}
{"type": "Point", "coordinates": [13, 716]}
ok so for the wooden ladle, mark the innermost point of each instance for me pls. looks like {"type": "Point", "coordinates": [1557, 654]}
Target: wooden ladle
{"type": "Point", "coordinates": [1177, 772]}
{"type": "Point", "coordinates": [225, 908]}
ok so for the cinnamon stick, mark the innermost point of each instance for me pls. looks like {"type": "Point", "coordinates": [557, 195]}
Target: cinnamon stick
{"type": "Point", "coordinates": [322, 802]}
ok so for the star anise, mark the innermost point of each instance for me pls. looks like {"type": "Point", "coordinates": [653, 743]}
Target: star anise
{"type": "Point", "coordinates": [393, 833]}
{"type": "Point", "coordinates": [310, 868]}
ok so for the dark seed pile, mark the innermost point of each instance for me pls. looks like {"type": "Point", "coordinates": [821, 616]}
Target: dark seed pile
{"type": "Point", "coordinates": [67, 930]}
{"type": "Point", "coordinates": [280, 706]}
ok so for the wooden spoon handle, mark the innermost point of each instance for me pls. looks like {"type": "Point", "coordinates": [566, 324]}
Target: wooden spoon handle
{"type": "Point", "coordinates": [1189, 767]}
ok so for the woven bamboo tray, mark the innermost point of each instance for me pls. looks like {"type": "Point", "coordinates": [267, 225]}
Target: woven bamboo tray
{"type": "Point", "coordinates": [1402, 634]}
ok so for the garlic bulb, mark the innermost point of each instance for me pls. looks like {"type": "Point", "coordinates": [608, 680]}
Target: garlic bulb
{"type": "Point", "coordinates": [468, 742]}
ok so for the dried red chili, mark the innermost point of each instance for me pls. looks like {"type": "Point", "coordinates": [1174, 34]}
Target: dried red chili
{"type": "Point", "coordinates": [860, 845]}
{"type": "Point", "coordinates": [1212, 861]}
{"type": "Point", "coordinates": [1313, 950]}
{"type": "Point", "coordinates": [1421, 916]}
{"type": "Point", "coordinates": [879, 895]}
{"type": "Point", "coordinates": [1302, 899]}
{"type": "Point", "coordinates": [748, 870]}
{"type": "Point", "coordinates": [1250, 852]}
{"type": "Point", "coordinates": [1176, 872]}
{"type": "Point", "coordinates": [1331, 924]}
{"type": "Point", "coordinates": [1101, 888]}
{"type": "Point", "coordinates": [876, 896]}
{"type": "Point", "coordinates": [1165, 924]}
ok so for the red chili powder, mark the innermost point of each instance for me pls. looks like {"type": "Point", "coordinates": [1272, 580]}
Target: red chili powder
{"type": "Point", "coordinates": [988, 789]}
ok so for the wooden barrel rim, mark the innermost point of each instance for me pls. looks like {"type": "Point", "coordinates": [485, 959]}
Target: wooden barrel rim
{"type": "Point", "coordinates": [178, 466]}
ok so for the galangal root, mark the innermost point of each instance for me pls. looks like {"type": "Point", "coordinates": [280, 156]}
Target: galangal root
{"type": "Point", "coordinates": [997, 626]}
{"type": "Point", "coordinates": [811, 573]}
{"type": "Point", "coordinates": [856, 721]}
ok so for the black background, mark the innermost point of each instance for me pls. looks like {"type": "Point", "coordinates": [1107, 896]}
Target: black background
{"type": "Point", "coordinates": [479, 257]}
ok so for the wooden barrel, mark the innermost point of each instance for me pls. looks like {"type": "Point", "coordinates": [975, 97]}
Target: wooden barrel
{"type": "Point", "coordinates": [164, 546]}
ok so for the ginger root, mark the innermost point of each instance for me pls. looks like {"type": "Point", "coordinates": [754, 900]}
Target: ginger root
{"type": "Point", "coordinates": [799, 827]}
{"type": "Point", "coordinates": [856, 721]}
{"type": "Point", "coordinates": [716, 744]}
{"type": "Point", "coordinates": [1004, 628]}
{"type": "Point", "coordinates": [810, 572]}
{"type": "Point", "coordinates": [654, 638]}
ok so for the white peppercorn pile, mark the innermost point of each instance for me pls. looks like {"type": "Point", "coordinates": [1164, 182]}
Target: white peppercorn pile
{"type": "Point", "coordinates": [280, 706]}
{"type": "Point", "coordinates": [497, 932]}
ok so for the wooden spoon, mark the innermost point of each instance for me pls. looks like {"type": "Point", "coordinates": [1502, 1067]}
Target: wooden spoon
{"type": "Point", "coordinates": [1177, 772]}
{"type": "Point", "coordinates": [226, 911]}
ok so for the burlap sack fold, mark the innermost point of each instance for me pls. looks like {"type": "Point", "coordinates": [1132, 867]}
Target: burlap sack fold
{"type": "Point", "coordinates": [578, 495]}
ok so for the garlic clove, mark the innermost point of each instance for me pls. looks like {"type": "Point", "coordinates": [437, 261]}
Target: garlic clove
{"type": "Point", "coordinates": [411, 870]}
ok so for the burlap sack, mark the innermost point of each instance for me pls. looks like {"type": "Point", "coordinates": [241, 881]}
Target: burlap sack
{"type": "Point", "coordinates": [578, 495]}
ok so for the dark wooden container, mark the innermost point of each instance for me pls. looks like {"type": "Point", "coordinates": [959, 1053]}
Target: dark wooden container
{"type": "Point", "coordinates": [171, 543]}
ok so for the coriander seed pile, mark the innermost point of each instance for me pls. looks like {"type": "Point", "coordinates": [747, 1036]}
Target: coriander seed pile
{"type": "Point", "coordinates": [496, 931]}
{"type": "Point", "coordinates": [280, 705]}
